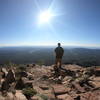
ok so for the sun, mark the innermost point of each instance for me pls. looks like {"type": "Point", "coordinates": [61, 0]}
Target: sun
{"type": "Point", "coordinates": [45, 17]}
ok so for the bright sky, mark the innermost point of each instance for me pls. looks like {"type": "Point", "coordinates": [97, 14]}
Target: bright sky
{"type": "Point", "coordinates": [72, 22]}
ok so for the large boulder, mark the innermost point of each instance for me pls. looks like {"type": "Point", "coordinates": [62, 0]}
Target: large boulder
{"type": "Point", "coordinates": [20, 84]}
{"type": "Point", "coordinates": [10, 77]}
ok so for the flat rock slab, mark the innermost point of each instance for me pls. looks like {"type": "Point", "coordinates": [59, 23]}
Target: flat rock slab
{"type": "Point", "coordinates": [60, 89]}
{"type": "Point", "coordinates": [64, 97]}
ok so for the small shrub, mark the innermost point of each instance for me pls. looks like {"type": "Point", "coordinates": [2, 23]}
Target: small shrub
{"type": "Point", "coordinates": [29, 92]}
{"type": "Point", "coordinates": [44, 97]}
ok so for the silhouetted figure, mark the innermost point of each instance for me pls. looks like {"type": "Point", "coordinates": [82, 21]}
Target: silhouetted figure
{"type": "Point", "coordinates": [59, 54]}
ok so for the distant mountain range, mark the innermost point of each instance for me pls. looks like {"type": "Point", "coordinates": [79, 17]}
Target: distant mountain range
{"type": "Point", "coordinates": [45, 55]}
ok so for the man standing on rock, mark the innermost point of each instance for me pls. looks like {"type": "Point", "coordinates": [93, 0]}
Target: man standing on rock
{"type": "Point", "coordinates": [59, 51]}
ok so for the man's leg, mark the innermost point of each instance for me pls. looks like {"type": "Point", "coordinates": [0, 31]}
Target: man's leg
{"type": "Point", "coordinates": [56, 62]}
{"type": "Point", "coordinates": [56, 67]}
{"type": "Point", "coordinates": [60, 62]}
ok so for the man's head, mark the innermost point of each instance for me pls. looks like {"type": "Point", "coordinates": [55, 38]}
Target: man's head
{"type": "Point", "coordinates": [59, 44]}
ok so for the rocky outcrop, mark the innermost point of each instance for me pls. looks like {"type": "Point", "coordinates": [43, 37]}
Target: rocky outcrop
{"type": "Point", "coordinates": [71, 82]}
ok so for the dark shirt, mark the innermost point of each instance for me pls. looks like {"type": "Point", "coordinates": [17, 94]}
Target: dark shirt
{"type": "Point", "coordinates": [59, 52]}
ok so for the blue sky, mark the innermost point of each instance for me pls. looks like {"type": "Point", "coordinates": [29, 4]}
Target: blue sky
{"type": "Point", "coordinates": [77, 22]}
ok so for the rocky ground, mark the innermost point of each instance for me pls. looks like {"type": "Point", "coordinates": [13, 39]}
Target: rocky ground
{"type": "Point", "coordinates": [34, 82]}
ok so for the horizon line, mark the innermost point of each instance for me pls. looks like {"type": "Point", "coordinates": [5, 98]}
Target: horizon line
{"type": "Point", "coordinates": [50, 45]}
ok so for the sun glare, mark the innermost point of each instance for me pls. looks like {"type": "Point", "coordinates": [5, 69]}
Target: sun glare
{"type": "Point", "coordinates": [45, 17]}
